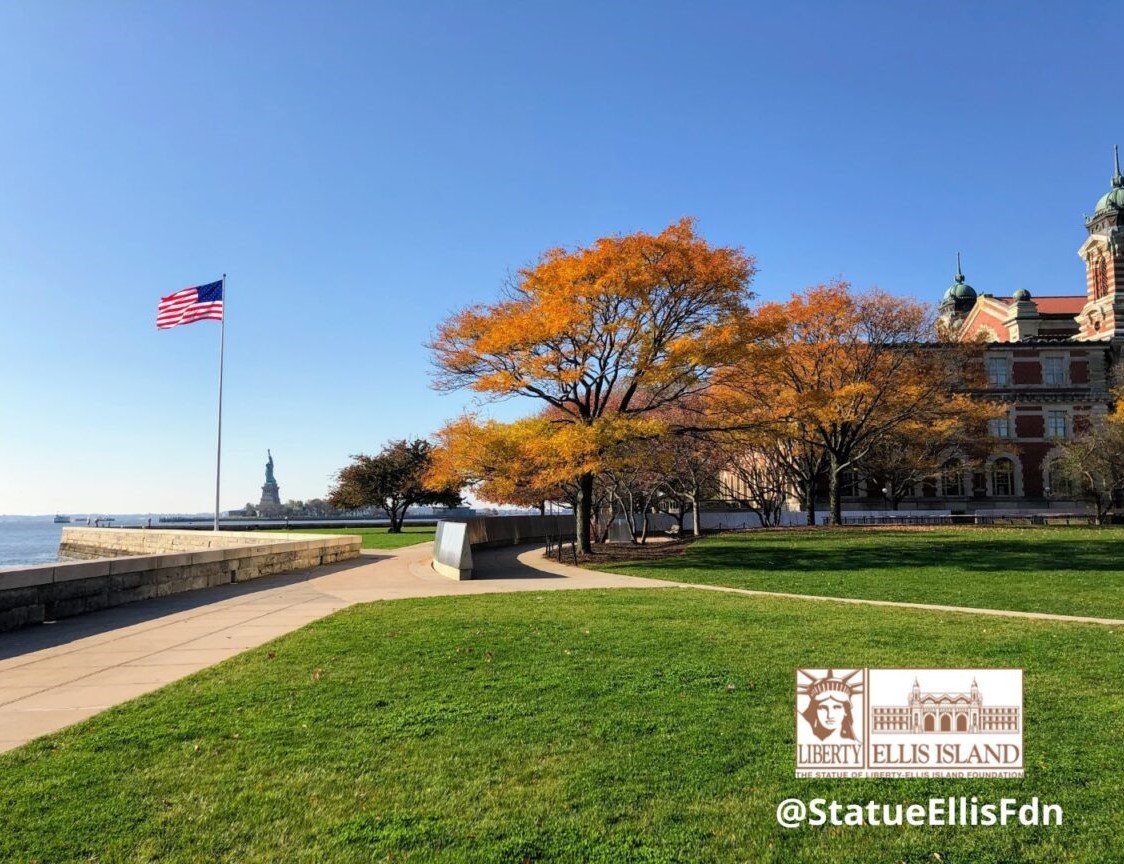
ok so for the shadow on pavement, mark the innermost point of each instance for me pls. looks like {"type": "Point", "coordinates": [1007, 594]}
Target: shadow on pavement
{"type": "Point", "coordinates": [36, 637]}
{"type": "Point", "coordinates": [504, 563]}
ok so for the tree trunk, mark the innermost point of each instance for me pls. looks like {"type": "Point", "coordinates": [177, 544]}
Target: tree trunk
{"type": "Point", "coordinates": [696, 524]}
{"type": "Point", "coordinates": [810, 500]}
{"type": "Point", "coordinates": [603, 526]}
{"type": "Point", "coordinates": [584, 514]}
{"type": "Point", "coordinates": [835, 501]}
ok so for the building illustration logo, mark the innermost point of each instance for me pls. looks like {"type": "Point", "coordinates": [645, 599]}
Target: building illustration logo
{"type": "Point", "coordinates": [945, 712]}
{"type": "Point", "coordinates": [884, 723]}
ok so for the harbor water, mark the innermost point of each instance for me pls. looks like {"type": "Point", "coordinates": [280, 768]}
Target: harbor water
{"type": "Point", "coordinates": [30, 540]}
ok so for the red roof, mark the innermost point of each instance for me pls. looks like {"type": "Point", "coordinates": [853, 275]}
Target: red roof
{"type": "Point", "coordinates": [1056, 305]}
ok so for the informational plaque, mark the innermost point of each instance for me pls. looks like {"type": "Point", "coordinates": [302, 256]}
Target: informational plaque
{"type": "Point", "coordinates": [452, 555]}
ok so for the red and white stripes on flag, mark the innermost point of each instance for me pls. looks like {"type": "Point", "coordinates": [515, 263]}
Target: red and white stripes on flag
{"type": "Point", "coordinates": [191, 304]}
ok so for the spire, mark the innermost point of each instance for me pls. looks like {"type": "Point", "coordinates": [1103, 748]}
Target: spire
{"type": "Point", "coordinates": [959, 275]}
{"type": "Point", "coordinates": [1117, 177]}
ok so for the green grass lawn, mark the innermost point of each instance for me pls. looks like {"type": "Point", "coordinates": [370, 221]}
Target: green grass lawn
{"type": "Point", "coordinates": [381, 538]}
{"type": "Point", "coordinates": [1071, 571]}
{"type": "Point", "coordinates": [591, 726]}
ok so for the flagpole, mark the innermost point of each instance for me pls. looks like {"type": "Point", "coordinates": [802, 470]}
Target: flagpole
{"type": "Point", "coordinates": [218, 453]}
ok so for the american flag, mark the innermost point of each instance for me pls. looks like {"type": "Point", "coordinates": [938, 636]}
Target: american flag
{"type": "Point", "coordinates": [190, 304]}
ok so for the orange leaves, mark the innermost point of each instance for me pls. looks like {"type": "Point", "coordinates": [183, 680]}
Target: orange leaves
{"type": "Point", "coordinates": [528, 461]}
{"type": "Point", "coordinates": [626, 324]}
{"type": "Point", "coordinates": [836, 361]}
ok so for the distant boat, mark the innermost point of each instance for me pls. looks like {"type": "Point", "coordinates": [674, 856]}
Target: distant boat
{"type": "Point", "coordinates": [61, 519]}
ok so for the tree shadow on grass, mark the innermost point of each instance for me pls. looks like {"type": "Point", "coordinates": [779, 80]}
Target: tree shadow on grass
{"type": "Point", "coordinates": [899, 551]}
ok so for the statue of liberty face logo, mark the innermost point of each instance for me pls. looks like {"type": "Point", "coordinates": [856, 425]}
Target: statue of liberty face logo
{"type": "Point", "coordinates": [829, 710]}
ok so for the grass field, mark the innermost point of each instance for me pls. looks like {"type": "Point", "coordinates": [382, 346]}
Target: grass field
{"type": "Point", "coordinates": [592, 726]}
{"type": "Point", "coordinates": [381, 538]}
{"type": "Point", "coordinates": [1071, 571]}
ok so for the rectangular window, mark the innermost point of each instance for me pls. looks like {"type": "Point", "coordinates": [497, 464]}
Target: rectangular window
{"type": "Point", "coordinates": [952, 482]}
{"type": "Point", "coordinates": [1003, 477]}
{"type": "Point", "coordinates": [1055, 424]}
{"type": "Point", "coordinates": [849, 484]}
{"type": "Point", "coordinates": [998, 371]}
{"type": "Point", "coordinates": [1000, 427]}
{"type": "Point", "coordinates": [1053, 371]}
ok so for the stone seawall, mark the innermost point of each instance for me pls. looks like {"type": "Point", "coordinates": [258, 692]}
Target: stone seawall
{"type": "Point", "coordinates": [87, 543]}
{"type": "Point", "coordinates": [137, 565]}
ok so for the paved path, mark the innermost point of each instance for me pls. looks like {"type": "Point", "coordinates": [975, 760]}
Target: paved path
{"type": "Point", "coordinates": [56, 674]}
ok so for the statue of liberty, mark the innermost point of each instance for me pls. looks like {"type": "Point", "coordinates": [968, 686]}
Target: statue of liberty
{"type": "Point", "coordinates": [269, 470]}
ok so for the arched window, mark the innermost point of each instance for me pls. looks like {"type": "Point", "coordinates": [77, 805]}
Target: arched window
{"type": "Point", "coordinates": [1058, 483]}
{"type": "Point", "coordinates": [1003, 477]}
{"type": "Point", "coordinates": [1100, 277]}
{"type": "Point", "coordinates": [952, 478]}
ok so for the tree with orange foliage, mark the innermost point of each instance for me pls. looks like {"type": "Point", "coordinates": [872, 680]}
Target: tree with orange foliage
{"type": "Point", "coordinates": [524, 463]}
{"type": "Point", "coordinates": [843, 370]}
{"type": "Point", "coordinates": [617, 329]}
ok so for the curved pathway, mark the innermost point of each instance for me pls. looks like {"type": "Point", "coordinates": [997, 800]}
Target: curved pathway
{"type": "Point", "coordinates": [57, 674]}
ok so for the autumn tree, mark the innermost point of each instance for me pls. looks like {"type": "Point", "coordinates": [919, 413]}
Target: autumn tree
{"type": "Point", "coordinates": [845, 369]}
{"type": "Point", "coordinates": [633, 478]}
{"type": "Point", "coordinates": [913, 453]}
{"type": "Point", "coordinates": [523, 463]}
{"type": "Point", "coordinates": [614, 330]}
{"type": "Point", "coordinates": [756, 475]}
{"type": "Point", "coordinates": [770, 460]}
{"type": "Point", "coordinates": [1092, 464]}
{"type": "Point", "coordinates": [692, 462]}
{"type": "Point", "coordinates": [393, 480]}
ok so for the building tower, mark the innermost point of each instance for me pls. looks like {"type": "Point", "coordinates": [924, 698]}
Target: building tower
{"type": "Point", "coordinates": [915, 697]}
{"type": "Point", "coordinates": [1103, 253]}
{"type": "Point", "coordinates": [958, 300]}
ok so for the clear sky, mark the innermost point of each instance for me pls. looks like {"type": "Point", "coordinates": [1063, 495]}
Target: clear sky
{"type": "Point", "coordinates": [360, 170]}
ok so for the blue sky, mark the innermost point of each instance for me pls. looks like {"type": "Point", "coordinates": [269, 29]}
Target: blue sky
{"type": "Point", "coordinates": [361, 170]}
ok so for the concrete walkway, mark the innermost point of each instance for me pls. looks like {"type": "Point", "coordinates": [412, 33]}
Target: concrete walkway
{"type": "Point", "coordinates": [53, 675]}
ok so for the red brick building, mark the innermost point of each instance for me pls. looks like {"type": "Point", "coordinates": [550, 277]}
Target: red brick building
{"type": "Point", "coordinates": [1050, 358]}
